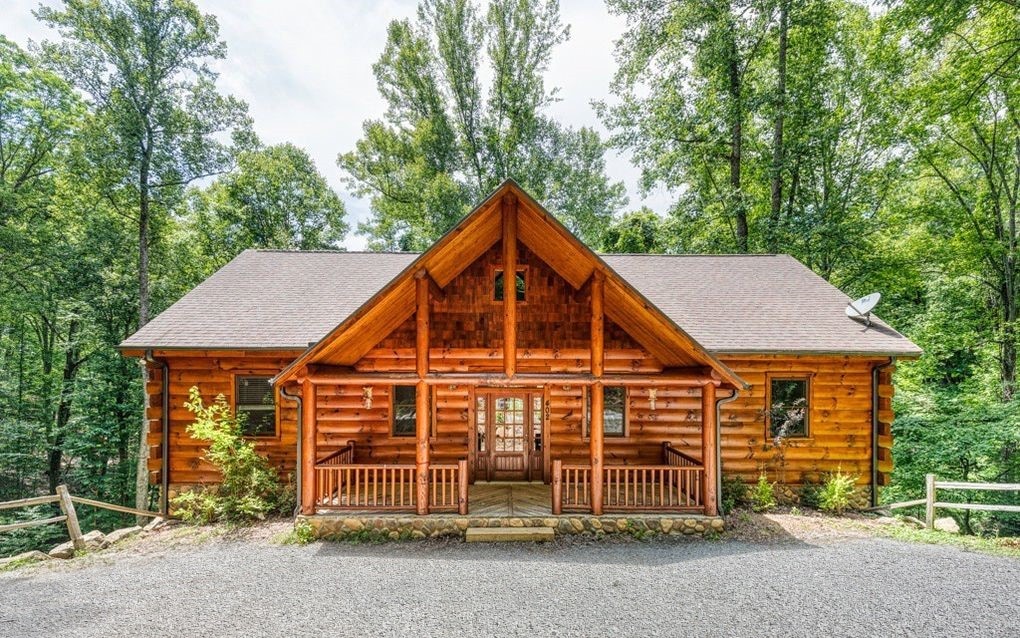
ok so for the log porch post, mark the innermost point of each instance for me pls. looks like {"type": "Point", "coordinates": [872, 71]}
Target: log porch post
{"type": "Point", "coordinates": [421, 394]}
{"type": "Point", "coordinates": [598, 356]}
{"type": "Point", "coordinates": [596, 430]}
{"type": "Point", "coordinates": [708, 446]}
{"type": "Point", "coordinates": [308, 453]}
{"type": "Point", "coordinates": [421, 456]}
{"type": "Point", "coordinates": [510, 285]}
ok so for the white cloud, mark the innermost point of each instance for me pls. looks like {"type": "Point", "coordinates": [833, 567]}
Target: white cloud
{"type": "Point", "coordinates": [305, 69]}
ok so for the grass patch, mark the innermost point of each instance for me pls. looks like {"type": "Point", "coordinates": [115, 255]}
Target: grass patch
{"type": "Point", "coordinates": [302, 533]}
{"type": "Point", "coordinates": [999, 546]}
{"type": "Point", "coordinates": [17, 564]}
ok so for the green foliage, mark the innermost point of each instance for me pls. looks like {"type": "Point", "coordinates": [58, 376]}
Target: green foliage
{"type": "Point", "coordinates": [273, 198]}
{"type": "Point", "coordinates": [735, 493]}
{"type": "Point", "coordinates": [446, 140]}
{"type": "Point", "coordinates": [250, 488]}
{"type": "Point", "coordinates": [762, 496]}
{"type": "Point", "coordinates": [837, 492]}
{"type": "Point", "coordinates": [809, 495]}
{"type": "Point", "coordinates": [636, 232]}
{"type": "Point", "coordinates": [962, 439]}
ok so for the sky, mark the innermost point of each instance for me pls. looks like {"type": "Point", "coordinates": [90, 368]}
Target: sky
{"type": "Point", "coordinates": [305, 69]}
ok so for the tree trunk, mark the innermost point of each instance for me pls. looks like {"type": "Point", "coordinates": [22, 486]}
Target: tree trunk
{"type": "Point", "coordinates": [777, 132]}
{"type": "Point", "coordinates": [1007, 347]}
{"type": "Point", "coordinates": [736, 144]}
{"type": "Point", "coordinates": [55, 454]}
{"type": "Point", "coordinates": [142, 470]}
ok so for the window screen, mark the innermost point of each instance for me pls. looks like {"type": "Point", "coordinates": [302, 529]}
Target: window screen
{"type": "Point", "coordinates": [255, 407]}
{"type": "Point", "coordinates": [404, 410]}
{"type": "Point", "coordinates": [788, 408]}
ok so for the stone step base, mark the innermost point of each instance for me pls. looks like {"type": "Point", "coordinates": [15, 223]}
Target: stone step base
{"type": "Point", "coordinates": [508, 534]}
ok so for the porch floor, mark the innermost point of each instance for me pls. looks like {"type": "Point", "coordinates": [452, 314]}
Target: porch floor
{"type": "Point", "coordinates": [510, 499]}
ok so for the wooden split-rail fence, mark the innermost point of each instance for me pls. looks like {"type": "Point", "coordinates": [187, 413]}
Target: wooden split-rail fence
{"type": "Point", "coordinates": [68, 514]}
{"type": "Point", "coordinates": [930, 502]}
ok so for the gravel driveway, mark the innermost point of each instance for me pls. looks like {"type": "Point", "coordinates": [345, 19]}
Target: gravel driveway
{"type": "Point", "coordinates": [858, 587]}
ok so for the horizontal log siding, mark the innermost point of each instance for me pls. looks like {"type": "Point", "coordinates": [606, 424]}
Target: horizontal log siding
{"type": "Point", "coordinates": [452, 412]}
{"type": "Point", "coordinates": [342, 415]}
{"type": "Point", "coordinates": [212, 373]}
{"type": "Point", "coordinates": [885, 419]}
{"type": "Point", "coordinates": [839, 420]}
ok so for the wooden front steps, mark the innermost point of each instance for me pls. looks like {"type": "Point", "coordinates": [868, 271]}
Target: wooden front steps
{"type": "Point", "coordinates": [508, 534]}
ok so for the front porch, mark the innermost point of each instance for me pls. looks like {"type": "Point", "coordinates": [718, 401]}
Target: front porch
{"type": "Point", "coordinates": [505, 505]}
{"type": "Point", "coordinates": [676, 485]}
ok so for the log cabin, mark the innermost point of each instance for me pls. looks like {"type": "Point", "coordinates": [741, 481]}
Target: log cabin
{"type": "Point", "coordinates": [511, 352]}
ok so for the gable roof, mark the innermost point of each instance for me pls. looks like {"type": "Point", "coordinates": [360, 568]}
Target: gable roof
{"type": "Point", "coordinates": [509, 214]}
{"type": "Point", "coordinates": [765, 304]}
{"type": "Point", "coordinates": [273, 299]}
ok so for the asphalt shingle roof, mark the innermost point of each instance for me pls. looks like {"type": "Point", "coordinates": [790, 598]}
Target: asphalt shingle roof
{"type": "Point", "coordinates": [728, 303]}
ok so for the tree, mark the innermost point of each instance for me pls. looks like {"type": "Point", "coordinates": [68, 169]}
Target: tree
{"type": "Point", "coordinates": [770, 119]}
{"type": "Point", "coordinates": [446, 141]}
{"type": "Point", "coordinates": [639, 231]}
{"type": "Point", "coordinates": [685, 99]}
{"type": "Point", "coordinates": [274, 198]}
{"type": "Point", "coordinates": [144, 66]}
{"type": "Point", "coordinates": [966, 140]}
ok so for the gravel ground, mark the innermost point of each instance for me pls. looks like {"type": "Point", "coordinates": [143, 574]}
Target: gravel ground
{"type": "Point", "coordinates": [833, 587]}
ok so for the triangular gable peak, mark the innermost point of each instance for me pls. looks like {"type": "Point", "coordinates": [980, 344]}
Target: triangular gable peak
{"type": "Point", "coordinates": [506, 217]}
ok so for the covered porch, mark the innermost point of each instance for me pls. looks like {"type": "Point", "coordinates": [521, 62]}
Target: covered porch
{"type": "Point", "coordinates": [520, 454]}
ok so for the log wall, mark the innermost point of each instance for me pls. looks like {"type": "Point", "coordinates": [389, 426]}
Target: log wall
{"type": "Point", "coordinates": [839, 419]}
{"type": "Point", "coordinates": [213, 373]}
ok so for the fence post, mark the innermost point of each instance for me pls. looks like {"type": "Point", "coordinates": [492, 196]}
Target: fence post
{"type": "Point", "coordinates": [557, 487]}
{"type": "Point", "coordinates": [929, 501]}
{"type": "Point", "coordinates": [67, 507]}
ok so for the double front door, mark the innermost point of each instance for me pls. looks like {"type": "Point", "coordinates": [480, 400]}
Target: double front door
{"type": "Point", "coordinates": [508, 435]}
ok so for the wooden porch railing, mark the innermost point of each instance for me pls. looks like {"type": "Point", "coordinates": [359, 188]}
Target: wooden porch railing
{"type": "Point", "coordinates": [652, 488]}
{"type": "Point", "coordinates": [343, 456]}
{"type": "Point", "coordinates": [367, 486]}
{"type": "Point", "coordinates": [673, 488]}
{"type": "Point", "coordinates": [673, 456]}
{"type": "Point", "coordinates": [571, 487]}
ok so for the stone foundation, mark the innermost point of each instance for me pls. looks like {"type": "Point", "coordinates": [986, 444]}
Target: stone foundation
{"type": "Point", "coordinates": [792, 494]}
{"type": "Point", "coordinates": [341, 526]}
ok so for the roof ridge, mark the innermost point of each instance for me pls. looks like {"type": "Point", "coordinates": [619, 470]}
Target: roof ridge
{"type": "Point", "coordinates": [693, 254]}
{"type": "Point", "coordinates": [329, 251]}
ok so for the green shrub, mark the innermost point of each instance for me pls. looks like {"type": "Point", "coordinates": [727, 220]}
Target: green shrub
{"type": "Point", "coordinates": [734, 493]}
{"type": "Point", "coordinates": [837, 492]}
{"type": "Point", "coordinates": [763, 496]}
{"type": "Point", "coordinates": [250, 488]}
{"type": "Point", "coordinates": [301, 534]}
{"type": "Point", "coordinates": [809, 493]}
{"type": "Point", "coordinates": [198, 507]}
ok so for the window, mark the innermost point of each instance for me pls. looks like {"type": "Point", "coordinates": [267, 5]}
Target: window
{"type": "Point", "coordinates": [788, 408]}
{"type": "Point", "coordinates": [498, 285]}
{"type": "Point", "coordinates": [404, 415]}
{"type": "Point", "coordinates": [254, 406]}
{"type": "Point", "coordinates": [614, 411]}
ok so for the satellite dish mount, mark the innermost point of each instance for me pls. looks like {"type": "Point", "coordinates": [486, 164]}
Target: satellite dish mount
{"type": "Point", "coordinates": [861, 308]}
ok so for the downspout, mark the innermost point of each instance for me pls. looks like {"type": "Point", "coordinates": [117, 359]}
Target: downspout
{"type": "Point", "coordinates": [718, 442]}
{"type": "Point", "coordinates": [296, 398]}
{"type": "Point", "coordinates": [164, 441]}
{"type": "Point", "coordinates": [874, 427]}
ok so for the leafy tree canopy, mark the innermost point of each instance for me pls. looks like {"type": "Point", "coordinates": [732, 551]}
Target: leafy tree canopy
{"type": "Point", "coordinates": [447, 138]}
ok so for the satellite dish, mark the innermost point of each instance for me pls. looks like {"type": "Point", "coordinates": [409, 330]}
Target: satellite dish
{"type": "Point", "coordinates": [861, 309]}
